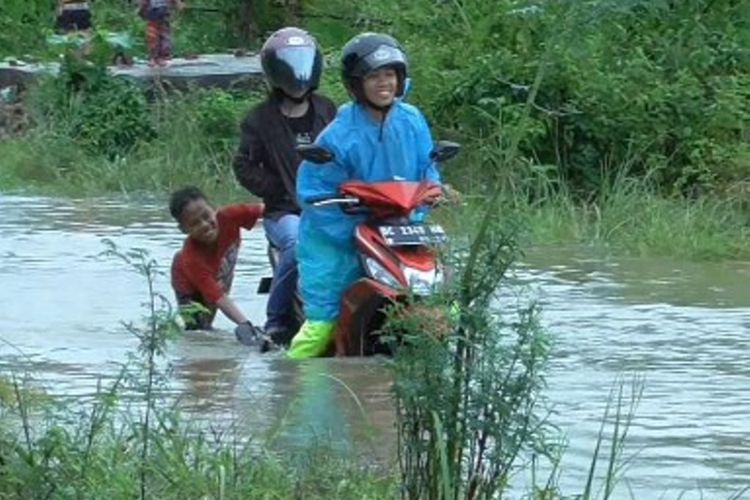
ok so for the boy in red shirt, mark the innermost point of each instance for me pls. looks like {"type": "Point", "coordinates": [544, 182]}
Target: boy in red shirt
{"type": "Point", "coordinates": [203, 270]}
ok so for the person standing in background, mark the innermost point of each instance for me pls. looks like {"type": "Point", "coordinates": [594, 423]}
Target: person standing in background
{"type": "Point", "coordinates": [158, 14]}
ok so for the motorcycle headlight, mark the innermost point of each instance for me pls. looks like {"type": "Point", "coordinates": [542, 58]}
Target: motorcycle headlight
{"type": "Point", "coordinates": [423, 282]}
{"type": "Point", "coordinates": [380, 273]}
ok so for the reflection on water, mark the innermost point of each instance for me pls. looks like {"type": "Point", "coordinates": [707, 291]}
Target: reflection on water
{"type": "Point", "coordinates": [342, 402]}
{"type": "Point", "coordinates": [652, 281]}
{"type": "Point", "coordinates": [684, 326]}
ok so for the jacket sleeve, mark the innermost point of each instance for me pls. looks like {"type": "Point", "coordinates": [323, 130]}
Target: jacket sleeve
{"type": "Point", "coordinates": [317, 181]}
{"type": "Point", "coordinates": [249, 161]}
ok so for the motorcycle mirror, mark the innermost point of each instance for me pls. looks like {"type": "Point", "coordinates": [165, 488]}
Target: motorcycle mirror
{"type": "Point", "coordinates": [314, 153]}
{"type": "Point", "coordinates": [445, 150]}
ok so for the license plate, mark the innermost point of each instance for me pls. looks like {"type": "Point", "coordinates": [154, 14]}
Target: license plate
{"type": "Point", "coordinates": [413, 234]}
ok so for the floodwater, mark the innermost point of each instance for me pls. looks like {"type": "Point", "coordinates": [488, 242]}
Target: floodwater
{"type": "Point", "coordinates": [683, 327]}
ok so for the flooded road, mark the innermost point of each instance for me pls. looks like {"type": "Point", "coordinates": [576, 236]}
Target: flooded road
{"type": "Point", "coordinates": [685, 327]}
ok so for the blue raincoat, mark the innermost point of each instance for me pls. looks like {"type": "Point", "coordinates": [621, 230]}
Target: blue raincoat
{"type": "Point", "coordinates": [366, 150]}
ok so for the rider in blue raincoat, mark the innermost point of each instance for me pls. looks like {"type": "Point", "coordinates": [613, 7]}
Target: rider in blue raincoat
{"type": "Point", "coordinates": [377, 137]}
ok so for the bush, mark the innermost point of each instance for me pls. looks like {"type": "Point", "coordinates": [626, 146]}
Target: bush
{"type": "Point", "coordinates": [22, 24]}
{"type": "Point", "coordinates": [112, 118]}
{"type": "Point", "coordinates": [218, 114]}
{"type": "Point", "coordinates": [106, 115]}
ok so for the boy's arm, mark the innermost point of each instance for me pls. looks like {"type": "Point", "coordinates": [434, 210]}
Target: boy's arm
{"type": "Point", "coordinates": [243, 214]}
{"type": "Point", "coordinates": [212, 292]}
{"type": "Point", "coordinates": [230, 310]}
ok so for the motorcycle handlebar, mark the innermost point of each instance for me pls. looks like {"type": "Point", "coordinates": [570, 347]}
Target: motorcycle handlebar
{"type": "Point", "coordinates": [335, 201]}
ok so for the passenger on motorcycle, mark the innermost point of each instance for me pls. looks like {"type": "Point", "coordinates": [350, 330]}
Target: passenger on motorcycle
{"type": "Point", "coordinates": [266, 162]}
{"type": "Point", "coordinates": [376, 137]}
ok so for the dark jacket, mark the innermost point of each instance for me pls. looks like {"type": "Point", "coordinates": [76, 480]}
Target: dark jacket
{"type": "Point", "coordinates": [266, 162]}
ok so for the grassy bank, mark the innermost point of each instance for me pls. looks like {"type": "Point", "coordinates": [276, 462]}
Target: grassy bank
{"type": "Point", "coordinates": [190, 139]}
{"type": "Point", "coordinates": [629, 215]}
{"type": "Point", "coordinates": [633, 218]}
{"type": "Point", "coordinates": [645, 224]}
{"type": "Point", "coordinates": [183, 139]}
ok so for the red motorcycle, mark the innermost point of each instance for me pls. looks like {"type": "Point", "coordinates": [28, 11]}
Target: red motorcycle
{"type": "Point", "coordinates": [399, 256]}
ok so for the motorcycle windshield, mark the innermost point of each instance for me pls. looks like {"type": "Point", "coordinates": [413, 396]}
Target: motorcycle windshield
{"type": "Point", "coordinates": [391, 197]}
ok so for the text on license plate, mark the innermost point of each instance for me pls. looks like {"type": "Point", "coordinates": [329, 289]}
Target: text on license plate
{"type": "Point", "coordinates": [413, 234]}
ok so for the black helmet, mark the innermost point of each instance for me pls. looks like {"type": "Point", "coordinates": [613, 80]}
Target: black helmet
{"type": "Point", "coordinates": [369, 52]}
{"type": "Point", "coordinates": [292, 62]}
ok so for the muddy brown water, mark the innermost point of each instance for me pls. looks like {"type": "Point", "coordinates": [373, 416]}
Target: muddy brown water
{"type": "Point", "coordinates": [684, 327]}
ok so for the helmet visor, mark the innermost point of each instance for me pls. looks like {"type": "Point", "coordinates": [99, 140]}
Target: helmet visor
{"type": "Point", "coordinates": [384, 55]}
{"type": "Point", "coordinates": [295, 70]}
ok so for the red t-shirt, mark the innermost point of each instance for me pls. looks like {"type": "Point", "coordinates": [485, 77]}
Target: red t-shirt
{"type": "Point", "coordinates": [199, 269]}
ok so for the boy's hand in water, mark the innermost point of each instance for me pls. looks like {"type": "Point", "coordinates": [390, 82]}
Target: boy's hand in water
{"type": "Point", "coordinates": [254, 336]}
{"type": "Point", "coordinates": [248, 334]}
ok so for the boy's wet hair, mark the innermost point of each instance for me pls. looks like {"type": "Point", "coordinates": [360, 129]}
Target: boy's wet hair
{"type": "Point", "coordinates": [181, 198]}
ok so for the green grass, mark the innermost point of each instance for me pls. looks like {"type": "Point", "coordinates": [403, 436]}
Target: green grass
{"type": "Point", "coordinates": [47, 163]}
{"type": "Point", "coordinates": [626, 214]}
{"type": "Point", "coordinates": [645, 224]}
{"type": "Point", "coordinates": [94, 451]}
{"type": "Point", "coordinates": [193, 140]}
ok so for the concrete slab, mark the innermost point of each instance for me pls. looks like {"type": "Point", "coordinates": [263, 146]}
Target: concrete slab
{"type": "Point", "coordinates": [207, 70]}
